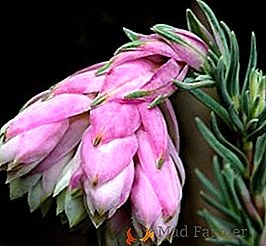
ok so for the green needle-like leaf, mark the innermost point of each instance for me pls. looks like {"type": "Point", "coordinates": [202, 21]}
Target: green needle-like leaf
{"type": "Point", "coordinates": [258, 182]}
{"type": "Point", "coordinates": [217, 224]}
{"type": "Point", "coordinates": [208, 185]}
{"type": "Point", "coordinates": [260, 150]}
{"type": "Point", "coordinates": [194, 85]}
{"type": "Point", "coordinates": [133, 36]}
{"type": "Point", "coordinates": [129, 46]}
{"type": "Point", "coordinates": [216, 28]}
{"type": "Point", "coordinates": [258, 132]}
{"type": "Point", "coordinates": [233, 72]}
{"type": "Point", "coordinates": [262, 117]}
{"type": "Point", "coordinates": [252, 62]}
{"type": "Point", "coordinates": [195, 26]}
{"type": "Point", "coordinates": [246, 104]}
{"type": "Point", "coordinates": [221, 82]}
{"type": "Point", "coordinates": [235, 118]}
{"type": "Point", "coordinates": [230, 177]}
{"type": "Point", "coordinates": [103, 69]}
{"type": "Point", "coordinates": [221, 208]}
{"type": "Point", "coordinates": [224, 152]}
{"type": "Point", "coordinates": [247, 201]}
{"type": "Point", "coordinates": [226, 143]}
{"type": "Point", "coordinates": [211, 103]}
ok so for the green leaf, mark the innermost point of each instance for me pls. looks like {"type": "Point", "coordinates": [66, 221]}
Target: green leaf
{"type": "Point", "coordinates": [98, 100]}
{"type": "Point", "coordinates": [36, 196]}
{"type": "Point", "coordinates": [235, 118]}
{"type": "Point", "coordinates": [157, 101]}
{"type": "Point", "coordinates": [45, 206]}
{"type": "Point", "coordinates": [60, 202]}
{"type": "Point", "coordinates": [221, 181]}
{"type": "Point", "coordinates": [230, 177]}
{"type": "Point", "coordinates": [74, 209]}
{"type": "Point", "coordinates": [129, 46]}
{"type": "Point", "coordinates": [262, 117]}
{"type": "Point", "coordinates": [222, 83]}
{"type": "Point", "coordinates": [258, 132]}
{"type": "Point", "coordinates": [208, 184]}
{"type": "Point", "coordinates": [259, 150]}
{"type": "Point", "coordinates": [103, 69]}
{"type": "Point", "coordinates": [258, 174]}
{"type": "Point", "coordinates": [133, 36]}
{"type": "Point", "coordinates": [224, 152]}
{"type": "Point", "coordinates": [21, 186]}
{"type": "Point", "coordinates": [251, 125]}
{"type": "Point", "coordinates": [252, 62]}
{"type": "Point", "coordinates": [210, 65]}
{"type": "Point", "coordinates": [219, 226]}
{"type": "Point", "coordinates": [255, 107]}
{"type": "Point", "coordinates": [194, 85]}
{"type": "Point", "coordinates": [214, 59]}
{"type": "Point", "coordinates": [220, 208]}
{"type": "Point", "coordinates": [195, 26]}
{"type": "Point", "coordinates": [246, 104]}
{"type": "Point", "coordinates": [226, 143]}
{"type": "Point", "coordinates": [219, 35]}
{"type": "Point", "coordinates": [232, 76]}
{"type": "Point", "coordinates": [247, 201]}
{"type": "Point", "coordinates": [211, 103]}
{"type": "Point", "coordinates": [137, 94]}
{"type": "Point", "coordinates": [215, 223]}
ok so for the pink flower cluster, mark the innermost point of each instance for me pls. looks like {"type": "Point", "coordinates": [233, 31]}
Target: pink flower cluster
{"type": "Point", "coordinates": [106, 134]}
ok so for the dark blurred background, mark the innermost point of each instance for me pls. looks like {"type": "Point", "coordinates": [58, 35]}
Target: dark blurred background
{"type": "Point", "coordinates": [45, 42]}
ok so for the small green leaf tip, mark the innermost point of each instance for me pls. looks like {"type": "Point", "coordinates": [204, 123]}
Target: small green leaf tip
{"type": "Point", "coordinates": [129, 46]}
{"type": "Point", "coordinates": [103, 69]}
{"type": "Point", "coordinates": [137, 94]}
{"type": "Point", "coordinates": [194, 85]}
{"type": "Point", "coordinates": [133, 36]}
{"type": "Point", "coordinates": [98, 100]}
{"type": "Point", "coordinates": [160, 163]}
{"type": "Point", "coordinates": [157, 101]}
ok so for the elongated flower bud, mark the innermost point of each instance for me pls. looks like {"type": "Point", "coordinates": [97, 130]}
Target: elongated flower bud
{"type": "Point", "coordinates": [146, 70]}
{"type": "Point", "coordinates": [161, 187]}
{"type": "Point", "coordinates": [190, 48]}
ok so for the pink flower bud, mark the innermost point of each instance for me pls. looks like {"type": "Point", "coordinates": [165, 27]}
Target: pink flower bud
{"type": "Point", "coordinates": [104, 199]}
{"type": "Point", "coordinates": [82, 82]}
{"type": "Point", "coordinates": [156, 193]}
{"type": "Point", "coordinates": [58, 108]}
{"type": "Point", "coordinates": [189, 47]}
{"type": "Point", "coordinates": [96, 159]}
{"type": "Point", "coordinates": [33, 145]}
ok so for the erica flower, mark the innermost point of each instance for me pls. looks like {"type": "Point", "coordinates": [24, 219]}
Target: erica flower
{"type": "Point", "coordinates": [104, 136]}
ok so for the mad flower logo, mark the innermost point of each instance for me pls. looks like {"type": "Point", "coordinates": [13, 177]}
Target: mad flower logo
{"type": "Point", "coordinates": [130, 239]}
